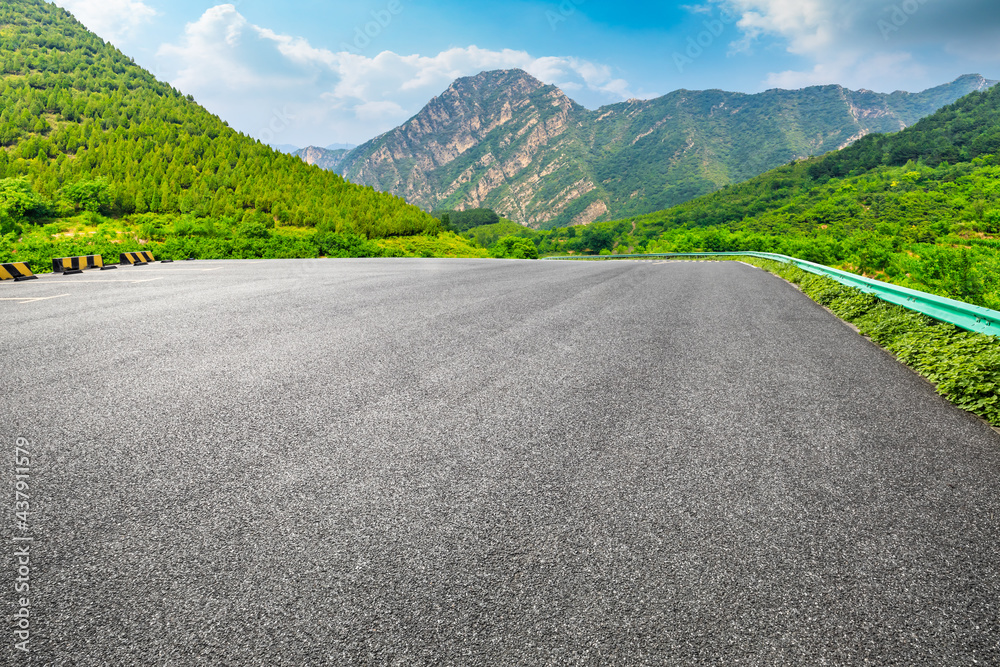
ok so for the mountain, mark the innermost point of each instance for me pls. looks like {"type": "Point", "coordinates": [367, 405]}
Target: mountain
{"type": "Point", "coordinates": [83, 128]}
{"type": "Point", "coordinates": [919, 177]}
{"type": "Point", "coordinates": [919, 208]}
{"type": "Point", "coordinates": [500, 139]}
{"type": "Point", "coordinates": [325, 158]}
{"type": "Point", "coordinates": [506, 141]}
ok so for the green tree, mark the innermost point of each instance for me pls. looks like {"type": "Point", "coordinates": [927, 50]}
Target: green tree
{"type": "Point", "coordinates": [18, 200]}
{"type": "Point", "coordinates": [514, 247]}
{"type": "Point", "coordinates": [92, 195]}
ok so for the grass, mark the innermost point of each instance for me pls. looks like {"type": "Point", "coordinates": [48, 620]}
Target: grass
{"type": "Point", "coordinates": [445, 244]}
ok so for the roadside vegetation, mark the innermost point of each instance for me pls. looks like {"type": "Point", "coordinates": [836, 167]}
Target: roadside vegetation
{"type": "Point", "coordinates": [97, 157]}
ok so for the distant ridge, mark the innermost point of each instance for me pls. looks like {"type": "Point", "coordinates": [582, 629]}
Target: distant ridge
{"type": "Point", "coordinates": [326, 158]}
{"type": "Point", "coordinates": [284, 148]}
{"type": "Point", "coordinates": [504, 140]}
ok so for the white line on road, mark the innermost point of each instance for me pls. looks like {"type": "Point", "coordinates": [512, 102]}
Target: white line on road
{"type": "Point", "coordinates": [25, 299]}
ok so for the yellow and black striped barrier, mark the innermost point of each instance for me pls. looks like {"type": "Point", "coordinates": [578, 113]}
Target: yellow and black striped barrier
{"type": "Point", "coordinates": [141, 258]}
{"type": "Point", "coordinates": [67, 265]}
{"type": "Point", "coordinates": [16, 271]}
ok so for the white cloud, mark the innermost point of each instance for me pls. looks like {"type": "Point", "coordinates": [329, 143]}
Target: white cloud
{"type": "Point", "coordinates": [851, 72]}
{"type": "Point", "coordinates": [208, 58]}
{"type": "Point", "coordinates": [384, 109]}
{"type": "Point", "coordinates": [807, 24]}
{"type": "Point", "coordinates": [112, 20]}
{"type": "Point", "coordinates": [245, 72]}
{"type": "Point", "coordinates": [871, 43]}
{"type": "Point", "coordinates": [697, 9]}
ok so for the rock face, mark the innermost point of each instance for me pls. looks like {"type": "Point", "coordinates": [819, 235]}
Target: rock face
{"type": "Point", "coordinates": [322, 157]}
{"type": "Point", "coordinates": [489, 140]}
{"type": "Point", "coordinates": [506, 141]}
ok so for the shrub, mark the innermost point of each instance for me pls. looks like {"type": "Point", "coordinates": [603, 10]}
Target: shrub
{"type": "Point", "coordinates": [513, 247]}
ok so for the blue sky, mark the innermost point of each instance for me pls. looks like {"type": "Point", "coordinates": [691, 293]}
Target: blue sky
{"type": "Point", "coordinates": [317, 72]}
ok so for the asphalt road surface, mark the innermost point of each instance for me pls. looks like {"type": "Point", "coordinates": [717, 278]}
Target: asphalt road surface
{"type": "Point", "coordinates": [481, 462]}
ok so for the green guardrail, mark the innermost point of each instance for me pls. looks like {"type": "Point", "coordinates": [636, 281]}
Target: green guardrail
{"type": "Point", "coordinates": [959, 313]}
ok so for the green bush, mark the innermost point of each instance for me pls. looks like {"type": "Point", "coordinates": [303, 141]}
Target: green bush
{"type": "Point", "coordinates": [345, 244]}
{"type": "Point", "coordinates": [461, 221]}
{"type": "Point", "coordinates": [514, 247]}
{"type": "Point", "coordinates": [18, 200]}
{"type": "Point", "coordinates": [92, 195]}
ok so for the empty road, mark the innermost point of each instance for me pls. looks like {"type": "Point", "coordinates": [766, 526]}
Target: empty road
{"type": "Point", "coordinates": [480, 462]}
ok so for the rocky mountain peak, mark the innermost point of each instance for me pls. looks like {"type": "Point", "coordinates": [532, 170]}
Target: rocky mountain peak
{"type": "Point", "coordinates": [505, 140]}
{"type": "Point", "coordinates": [979, 81]}
{"type": "Point", "coordinates": [492, 92]}
{"type": "Point", "coordinates": [512, 81]}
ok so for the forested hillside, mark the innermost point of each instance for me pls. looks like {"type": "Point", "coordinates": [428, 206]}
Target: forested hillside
{"type": "Point", "coordinates": [506, 141]}
{"type": "Point", "coordinates": [919, 208]}
{"type": "Point", "coordinates": [89, 139]}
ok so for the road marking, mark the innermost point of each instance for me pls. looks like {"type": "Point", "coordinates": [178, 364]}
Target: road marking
{"type": "Point", "coordinates": [26, 299]}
